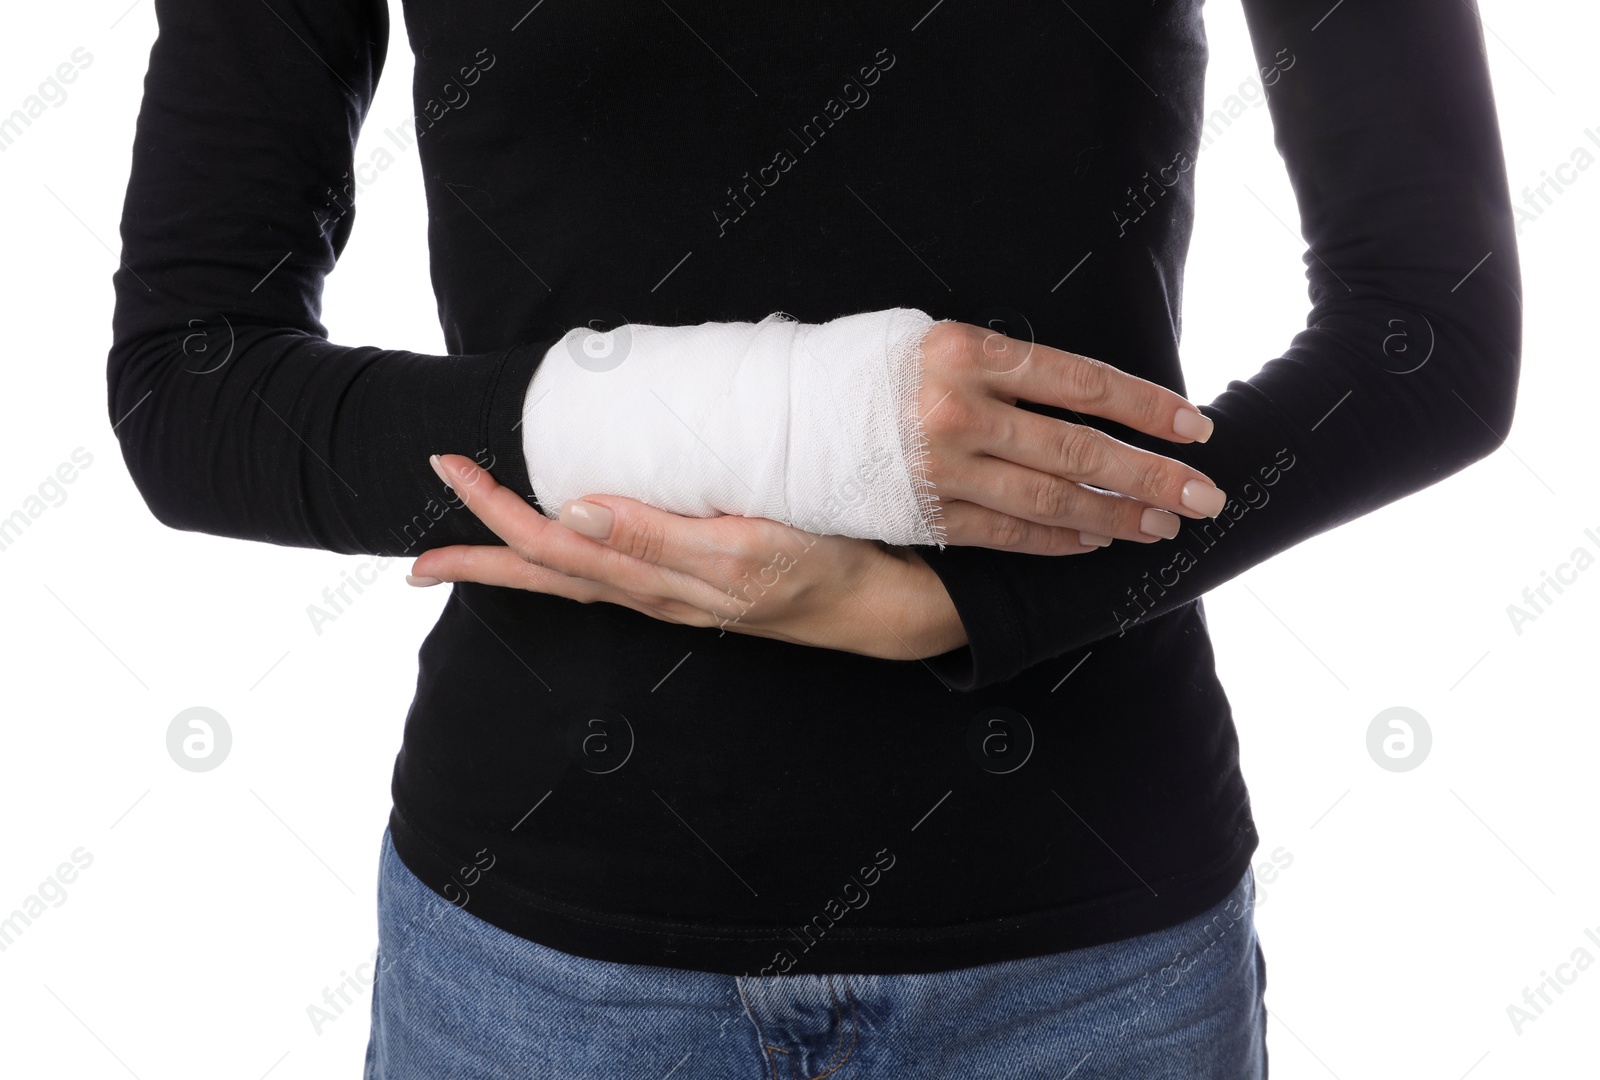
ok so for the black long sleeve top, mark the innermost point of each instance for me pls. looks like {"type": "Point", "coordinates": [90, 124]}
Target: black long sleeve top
{"type": "Point", "coordinates": [632, 790]}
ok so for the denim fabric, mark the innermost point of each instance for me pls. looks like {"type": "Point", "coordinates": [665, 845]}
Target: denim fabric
{"type": "Point", "coordinates": [456, 997]}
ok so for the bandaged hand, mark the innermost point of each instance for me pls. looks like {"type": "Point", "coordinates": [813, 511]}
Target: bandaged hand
{"type": "Point", "coordinates": [883, 425]}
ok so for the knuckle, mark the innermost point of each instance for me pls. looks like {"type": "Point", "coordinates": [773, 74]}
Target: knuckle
{"type": "Point", "coordinates": [945, 343]}
{"type": "Point", "coordinates": [1006, 531]}
{"type": "Point", "coordinates": [1121, 517]}
{"type": "Point", "coordinates": [1061, 542]}
{"type": "Point", "coordinates": [739, 545]}
{"type": "Point", "coordinates": [1154, 477]}
{"type": "Point", "coordinates": [730, 545]}
{"type": "Point", "coordinates": [525, 550]}
{"type": "Point", "coordinates": [1080, 450]}
{"type": "Point", "coordinates": [1107, 515]}
{"type": "Point", "coordinates": [1086, 381]}
{"type": "Point", "coordinates": [642, 539]}
{"type": "Point", "coordinates": [1050, 497]}
{"type": "Point", "coordinates": [1150, 410]}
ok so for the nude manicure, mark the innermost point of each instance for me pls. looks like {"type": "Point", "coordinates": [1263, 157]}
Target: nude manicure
{"type": "Point", "coordinates": [1193, 424]}
{"type": "Point", "coordinates": [1203, 498]}
{"type": "Point", "coordinates": [438, 468]}
{"type": "Point", "coordinates": [590, 519]}
{"type": "Point", "coordinates": [1158, 523]}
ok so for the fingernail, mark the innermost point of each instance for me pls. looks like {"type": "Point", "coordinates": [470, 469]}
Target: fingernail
{"type": "Point", "coordinates": [422, 582]}
{"type": "Point", "coordinates": [1193, 424]}
{"type": "Point", "coordinates": [1203, 498]}
{"type": "Point", "coordinates": [1159, 523]}
{"type": "Point", "coordinates": [1093, 539]}
{"type": "Point", "coordinates": [590, 519]}
{"type": "Point", "coordinates": [438, 468]}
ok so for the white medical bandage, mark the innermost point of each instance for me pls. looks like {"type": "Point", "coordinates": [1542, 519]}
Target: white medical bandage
{"type": "Point", "coordinates": [811, 424]}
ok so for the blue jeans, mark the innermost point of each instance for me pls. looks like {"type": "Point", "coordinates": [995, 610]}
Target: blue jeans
{"type": "Point", "coordinates": [455, 997]}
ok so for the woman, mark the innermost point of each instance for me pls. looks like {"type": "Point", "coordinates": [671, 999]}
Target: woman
{"type": "Point", "coordinates": [906, 810]}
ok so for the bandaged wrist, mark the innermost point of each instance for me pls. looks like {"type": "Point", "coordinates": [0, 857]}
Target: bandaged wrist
{"type": "Point", "coordinates": [811, 424]}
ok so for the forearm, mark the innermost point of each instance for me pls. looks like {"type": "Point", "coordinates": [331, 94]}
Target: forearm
{"type": "Point", "coordinates": [297, 441]}
{"type": "Point", "coordinates": [235, 414]}
{"type": "Point", "coordinates": [1405, 374]}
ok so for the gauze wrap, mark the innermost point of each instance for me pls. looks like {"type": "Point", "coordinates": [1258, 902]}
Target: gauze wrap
{"type": "Point", "coordinates": [811, 424]}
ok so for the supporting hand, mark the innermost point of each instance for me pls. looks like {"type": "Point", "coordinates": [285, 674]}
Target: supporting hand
{"type": "Point", "coordinates": [746, 575]}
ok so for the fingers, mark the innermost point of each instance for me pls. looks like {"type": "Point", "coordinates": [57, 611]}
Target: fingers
{"type": "Point", "coordinates": [504, 567]}
{"type": "Point", "coordinates": [658, 558]}
{"type": "Point", "coordinates": [1034, 372]}
{"type": "Point", "coordinates": [1059, 455]}
{"type": "Point", "coordinates": [641, 531]}
{"type": "Point", "coordinates": [1083, 384]}
{"type": "Point", "coordinates": [491, 565]}
{"type": "Point", "coordinates": [507, 514]}
{"type": "Point", "coordinates": [979, 440]}
{"type": "Point", "coordinates": [539, 542]}
{"type": "Point", "coordinates": [1013, 491]}
{"type": "Point", "coordinates": [969, 525]}
{"type": "Point", "coordinates": [717, 563]}
{"type": "Point", "coordinates": [709, 550]}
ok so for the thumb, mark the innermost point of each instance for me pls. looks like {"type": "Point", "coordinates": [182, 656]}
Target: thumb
{"type": "Point", "coordinates": [644, 532]}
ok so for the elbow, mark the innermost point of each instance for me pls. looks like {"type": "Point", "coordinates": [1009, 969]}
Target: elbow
{"type": "Point", "coordinates": [1491, 339]}
{"type": "Point", "coordinates": [157, 496]}
{"type": "Point", "coordinates": [1465, 393]}
{"type": "Point", "coordinates": [151, 479]}
{"type": "Point", "coordinates": [1491, 391]}
{"type": "Point", "coordinates": [176, 496]}
{"type": "Point", "coordinates": [134, 397]}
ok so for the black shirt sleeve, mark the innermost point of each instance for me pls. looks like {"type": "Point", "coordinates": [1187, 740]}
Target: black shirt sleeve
{"type": "Point", "coordinates": [235, 414]}
{"type": "Point", "coordinates": [1405, 373]}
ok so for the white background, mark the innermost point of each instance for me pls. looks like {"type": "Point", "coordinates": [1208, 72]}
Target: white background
{"type": "Point", "coordinates": [1417, 907]}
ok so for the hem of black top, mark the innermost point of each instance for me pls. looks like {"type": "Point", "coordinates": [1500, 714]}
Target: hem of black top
{"type": "Point", "coordinates": [855, 950]}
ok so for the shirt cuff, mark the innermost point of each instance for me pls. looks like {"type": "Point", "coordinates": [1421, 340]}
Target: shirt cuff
{"type": "Point", "coordinates": [503, 418]}
{"type": "Point", "coordinates": [990, 612]}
